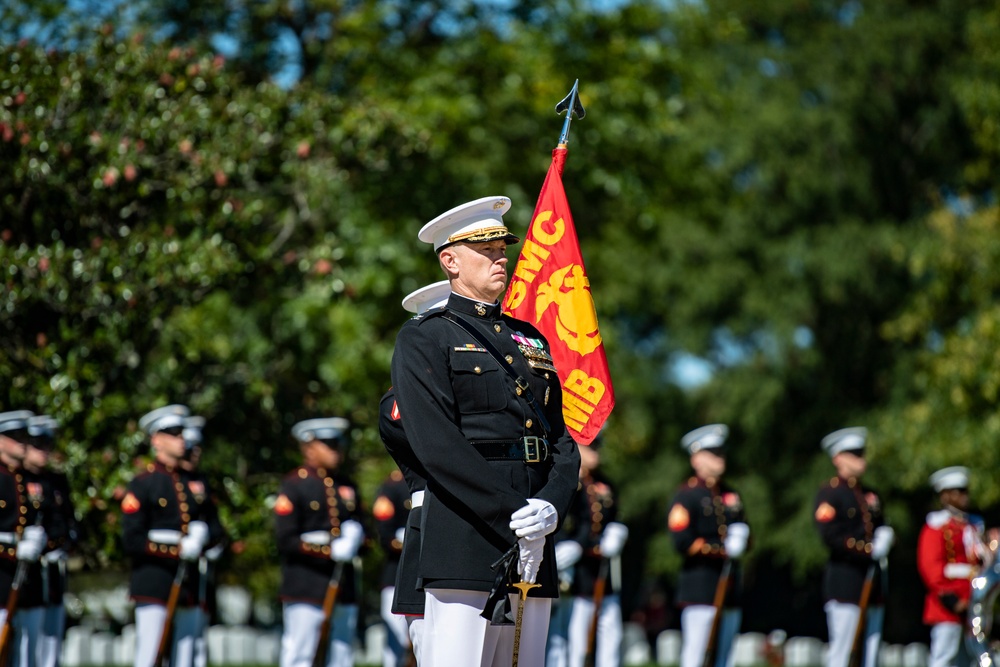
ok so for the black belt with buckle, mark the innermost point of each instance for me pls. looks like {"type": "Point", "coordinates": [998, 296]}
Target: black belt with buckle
{"type": "Point", "coordinates": [530, 449]}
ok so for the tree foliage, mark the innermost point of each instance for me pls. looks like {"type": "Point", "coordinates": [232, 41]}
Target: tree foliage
{"type": "Point", "coordinates": [798, 194]}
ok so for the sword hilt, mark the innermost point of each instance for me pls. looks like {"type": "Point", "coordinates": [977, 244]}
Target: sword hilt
{"type": "Point", "coordinates": [524, 587]}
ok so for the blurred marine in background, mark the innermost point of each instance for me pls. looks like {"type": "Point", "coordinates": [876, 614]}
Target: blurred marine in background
{"type": "Point", "coordinates": [63, 536]}
{"type": "Point", "coordinates": [23, 539]}
{"type": "Point", "coordinates": [949, 553]}
{"type": "Point", "coordinates": [319, 528]}
{"type": "Point", "coordinates": [707, 522]}
{"type": "Point", "coordinates": [849, 519]}
{"type": "Point", "coordinates": [168, 520]}
{"type": "Point", "coordinates": [600, 538]}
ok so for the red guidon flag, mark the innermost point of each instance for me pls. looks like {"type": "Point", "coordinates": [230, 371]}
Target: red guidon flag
{"type": "Point", "coordinates": [551, 290]}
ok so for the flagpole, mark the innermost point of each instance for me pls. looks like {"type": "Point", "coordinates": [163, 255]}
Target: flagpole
{"type": "Point", "coordinates": [570, 104]}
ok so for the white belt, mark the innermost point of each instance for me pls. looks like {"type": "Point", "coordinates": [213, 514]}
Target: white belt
{"type": "Point", "coordinates": [316, 537]}
{"type": "Point", "coordinates": [8, 538]}
{"type": "Point", "coordinates": [164, 536]}
{"type": "Point", "coordinates": [416, 499]}
{"type": "Point", "coordinates": [958, 571]}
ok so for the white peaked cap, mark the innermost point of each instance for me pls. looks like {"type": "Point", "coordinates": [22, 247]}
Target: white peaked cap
{"type": "Point", "coordinates": [955, 477]}
{"type": "Point", "coordinates": [705, 437]}
{"type": "Point", "coordinates": [427, 297]}
{"type": "Point", "coordinates": [15, 420]}
{"type": "Point", "coordinates": [473, 222]}
{"type": "Point", "coordinates": [165, 417]}
{"type": "Point", "coordinates": [844, 440]}
{"type": "Point", "coordinates": [323, 428]}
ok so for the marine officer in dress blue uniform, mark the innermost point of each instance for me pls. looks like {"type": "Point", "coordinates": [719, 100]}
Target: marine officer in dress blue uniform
{"type": "Point", "coordinates": [848, 516]}
{"type": "Point", "coordinates": [402, 601]}
{"type": "Point", "coordinates": [501, 467]}
{"type": "Point", "coordinates": [707, 522]}
{"type": "Point", "coordinates": [318, 523]}
{"type": "Point", "coordinates": [166, 521]}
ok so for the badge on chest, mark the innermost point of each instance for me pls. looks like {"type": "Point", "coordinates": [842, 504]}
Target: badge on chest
{"type": "Point", "coordinates": [534, 352]}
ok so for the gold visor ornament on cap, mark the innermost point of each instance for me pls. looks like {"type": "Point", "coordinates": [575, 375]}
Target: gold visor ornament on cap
{"type": "Point", "coordinates": [476, 221]}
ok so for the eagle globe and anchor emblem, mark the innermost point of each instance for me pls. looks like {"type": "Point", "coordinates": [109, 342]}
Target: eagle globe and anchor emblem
{"type": "Point", "coordinates": [576, 320]}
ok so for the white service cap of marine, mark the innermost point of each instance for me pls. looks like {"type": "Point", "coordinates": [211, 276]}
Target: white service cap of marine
{"type": "Point", "coordinates": [327, 429]}
{"type": "Point", "coordinates": [473, 222]}
{"type": "Point", "coordinates": [15, 420]}
{"type": "Point", "coordinates": [845, 440]}
{"type": "Point", "coordinates": [169, 416]}
{"type": "Point", "coordinates": [954, 477]}
{"type": "Point", "coordinates": [192, 431]}
{"type": "Point", "coordinates": [712, 436]}
{"type": "Point", "coordinates": [427, 297]}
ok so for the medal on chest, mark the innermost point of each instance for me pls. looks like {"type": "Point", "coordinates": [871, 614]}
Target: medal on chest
{"type": "Point", "coordinates": [534, 352]}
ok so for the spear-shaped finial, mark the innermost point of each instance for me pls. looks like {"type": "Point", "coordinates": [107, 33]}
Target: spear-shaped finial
{"type": "Point", "coordinates": [571, 105]}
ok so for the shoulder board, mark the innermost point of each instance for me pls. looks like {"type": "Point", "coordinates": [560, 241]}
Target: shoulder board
{"type": "Point", "coordinates": [938, 518]}
{"type": "Point", "coordinates": [429, 314]}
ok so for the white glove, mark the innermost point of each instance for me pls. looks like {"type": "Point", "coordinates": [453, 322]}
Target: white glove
{"type": "Point", "coordinates": [215, 553]}
{"type": "Point", "coordinates": [54, 556]}
{"type": "Point", "coordinates": [568, 553]}
{"type": "Point", "coordinates": [345, 547]}
{"type": "Point", "coordinates": [536, 519]}
{"type": "Point", "coordinates": [530, 558]}
{"type": "Point", "coordinates": [32, 542]}
{"type": "Point", "coordinates": [882, 541]}
{"type": "Point", "coordinates": [400, 534]}
{"type": "Point", "coordinates": [194, 541]}
{"type": "Point", "coordinates": [736, 539]}
{"type": "Point", "coordinates": [613, 539]}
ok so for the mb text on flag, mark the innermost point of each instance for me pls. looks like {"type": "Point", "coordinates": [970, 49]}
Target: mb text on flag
{"type": "Point", "coordinates": [550, 289]}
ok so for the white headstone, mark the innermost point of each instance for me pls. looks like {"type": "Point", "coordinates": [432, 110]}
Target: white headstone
{"type": "Point", "coordinates": [101, 652]}
{"type": "Point", "coordinates": [915, 655]}
{"type": "Point", "coordinates": [668, 647]}
{"type": "Point", "coordinates": [235, 604]}
{"type": "Point", "coordinates": [748, 649]}
{"type": "Point", "coordinates": [803, 652]}
{"type": "Point", "coordinates": [268, 648]}
{"type": "Point", "coordinates": [76, 646]}
{"type": "Point", "coordinates": [635, 648]}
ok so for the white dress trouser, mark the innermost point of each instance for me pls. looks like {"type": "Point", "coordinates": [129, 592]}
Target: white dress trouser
{"type": "Point", "coordinates": [50, 640]}
{"type": "Point", "coordinates": [25, 636]}
{"type": "Point", "coordinates": [557, 648]}
{"type": "Point", "coordinates": [415, 626]}
{"type": "Point", "coordinates": [696, 624]}
{"type": "Point", "coordinates": [454, 634]}
{"type": "Point", "coordinates": [301, 634]}
{"type": "Point", "coordinates": [397, 638]}
{"type": "Point", "coordinates": [607, 650]}
{"type": "Point", "coordinates": [149, 618]}
{"type": "Point", "coordinates": [842, 624]}
{"type": "Point", "coordinates": [948, 646]}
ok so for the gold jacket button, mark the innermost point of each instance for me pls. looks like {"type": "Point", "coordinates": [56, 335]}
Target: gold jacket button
{"type": "Point", "coordinates": [528, 424]}
{"type": "Point", "coordinates": [509, 359]}
{"type": "Point", "coordinates": [497, 327]}
{"type": "Point", "coordinates": [477, 369]}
